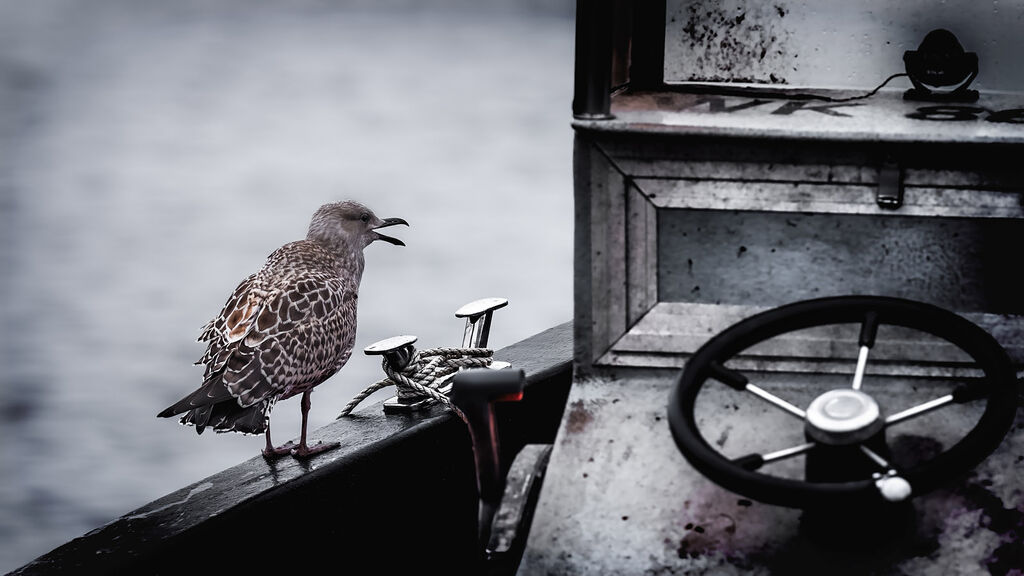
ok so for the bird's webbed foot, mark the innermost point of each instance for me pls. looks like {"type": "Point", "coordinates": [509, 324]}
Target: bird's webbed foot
{"type": "Point", "coordinates": [275, 452]}
{"type": "Point", "coordinates": [303, 451]}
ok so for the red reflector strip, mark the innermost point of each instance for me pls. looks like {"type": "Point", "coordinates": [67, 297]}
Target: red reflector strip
{"type": "Point", "coordinates": [514, 397]}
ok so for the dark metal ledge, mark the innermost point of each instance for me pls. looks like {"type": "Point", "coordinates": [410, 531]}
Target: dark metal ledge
{"type": "Point", "coordinates": [400, 493]}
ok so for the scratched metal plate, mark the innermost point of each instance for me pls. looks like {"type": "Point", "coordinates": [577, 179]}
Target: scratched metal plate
{"type": "Point", "coordinates": [620, 499]}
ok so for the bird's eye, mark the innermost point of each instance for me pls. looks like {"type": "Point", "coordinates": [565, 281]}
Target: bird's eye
{"type": "Point", "coordinates": [365, 217]}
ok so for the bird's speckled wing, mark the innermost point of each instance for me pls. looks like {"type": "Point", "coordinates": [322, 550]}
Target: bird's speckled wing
{"type": "Point", "coordinates": [234, 321]}
{"type": "Point", "coordinates": [282, 340]}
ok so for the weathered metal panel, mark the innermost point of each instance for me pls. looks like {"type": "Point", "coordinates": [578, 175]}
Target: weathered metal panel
{"type": "Point", "coordinates": [676, 169]}
{"type": "Point", "coordinates": [584, 327]}
{"type": "Point", "coordinates": [833, 43]}
{"type": "Point", "coordinates": [616, 256]}
{"type": "Point", "coordinates": [651, 254]}
{"type": "Point", "coordinates": [829, 198]}
{"type": "Point", "coordinates": [680, 169]}
{"type": "Point", "coordinates": [607, 247]}
{"type": "Point", "coordinates": [766, 259]}
{"type": "Point", "coordinates": [642, 256]}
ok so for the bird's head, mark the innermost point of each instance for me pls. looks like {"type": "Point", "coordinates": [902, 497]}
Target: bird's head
{"type": "Point", "coordinates": [350, 223]}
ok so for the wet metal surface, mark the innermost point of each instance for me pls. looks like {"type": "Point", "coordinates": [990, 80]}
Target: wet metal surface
{"type": "Point", "coordinates": [620, 499]}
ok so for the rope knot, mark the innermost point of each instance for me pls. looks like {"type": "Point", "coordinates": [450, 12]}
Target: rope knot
{"type": "Point", "coordinates": [425, 373]}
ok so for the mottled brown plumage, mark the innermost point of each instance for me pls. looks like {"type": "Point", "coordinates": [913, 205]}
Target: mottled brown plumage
{"type": "Point", "coordinates": [285, 329]}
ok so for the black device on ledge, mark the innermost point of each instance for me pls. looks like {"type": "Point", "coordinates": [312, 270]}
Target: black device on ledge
{"type": "Point", "coordinates": [941, 70]}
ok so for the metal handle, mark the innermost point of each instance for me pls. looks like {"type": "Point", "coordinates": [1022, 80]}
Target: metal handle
{"type": "Point", "coordinates": [475, 392]}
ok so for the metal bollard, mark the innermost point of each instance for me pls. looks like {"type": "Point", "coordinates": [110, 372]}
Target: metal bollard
{"type": "Point", "coordinates": [478, 320]}
{"type": "Point", "coordinates": [478, 314]}
{"type": "Point", "coordinates": [398, 352]}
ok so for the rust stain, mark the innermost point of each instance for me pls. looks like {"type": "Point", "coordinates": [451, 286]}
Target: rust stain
{"type": "Point", "coordinates": [579, 418]}
{"type": "Point", "coordinates": [708, 538]}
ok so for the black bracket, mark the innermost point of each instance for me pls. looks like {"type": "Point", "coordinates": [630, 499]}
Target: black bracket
{"type": "Point", "coordinates": [890, 186]}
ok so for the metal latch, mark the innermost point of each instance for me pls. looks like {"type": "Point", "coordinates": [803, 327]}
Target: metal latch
{"type": "Point", "coordinates": [890, 185]}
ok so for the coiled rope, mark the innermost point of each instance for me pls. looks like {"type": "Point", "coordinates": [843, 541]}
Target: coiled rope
{"type": "Point", "coordinates": [424, 375]}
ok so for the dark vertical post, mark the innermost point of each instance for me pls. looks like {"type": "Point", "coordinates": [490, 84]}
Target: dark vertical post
{"type": "Point", "coordinates": [592, 96]}
{"type": "Point", "coordinates": [647, 61]}
{"type": "Point", "coordinates": [583, 289]}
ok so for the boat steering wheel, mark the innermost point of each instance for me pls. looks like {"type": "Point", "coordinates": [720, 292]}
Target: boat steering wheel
{"type": "Point", "coordinates": [845, 417]}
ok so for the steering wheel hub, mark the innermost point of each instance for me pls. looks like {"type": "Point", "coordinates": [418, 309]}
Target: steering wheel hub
{"type": "Point", "coordinates": [843, 416]}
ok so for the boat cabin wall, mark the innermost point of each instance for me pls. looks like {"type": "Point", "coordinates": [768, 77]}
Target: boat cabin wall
{"type": "Point", "coordinates": [698, 205]}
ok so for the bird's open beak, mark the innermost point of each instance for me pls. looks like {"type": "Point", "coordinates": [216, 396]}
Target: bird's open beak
{"type": "Point", "coordinates": [390, 222]}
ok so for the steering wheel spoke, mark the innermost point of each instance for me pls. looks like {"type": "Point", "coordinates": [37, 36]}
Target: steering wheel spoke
{"type": "Point", "coordinates": [755, 461]}
{"type": "Point", "coordinates": [776, 401]}
{"type": "Point", "coordinates": [862, 362]}
{"type": "Point", "coordinates": [920, 409]}
{"type": "Point", "coordinates": [868, 332]}
{"type": "Point", "coordinates": [961, 395]}
{"type": "Point", "coordinates": [738, 381]}
{"type": "Point", "coordinates": [882, 462]}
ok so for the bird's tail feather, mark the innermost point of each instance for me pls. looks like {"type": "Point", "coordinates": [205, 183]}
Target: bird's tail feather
{"type": "Point", "coordinates": [212, 391]}
{"type": "Point", "coordinates": [229, 417]}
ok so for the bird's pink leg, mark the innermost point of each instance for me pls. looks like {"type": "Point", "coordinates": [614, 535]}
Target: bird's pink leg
{"type": "Point", "coordinates": [270, 452]}
{"type": "Point", "coordinates": [304, 451]}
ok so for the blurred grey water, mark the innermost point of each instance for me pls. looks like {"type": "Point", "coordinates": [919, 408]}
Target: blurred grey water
{"type": "Point", "coordinates": [152, 154]}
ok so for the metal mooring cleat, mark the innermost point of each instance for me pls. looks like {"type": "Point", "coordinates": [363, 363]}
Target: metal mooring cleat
{"type": "Point", "coordinates": [478, 320]}
{"type": "Point", "coordinates": [478, 314]}
{"type": "Point", "coordinates": [398, 351]}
